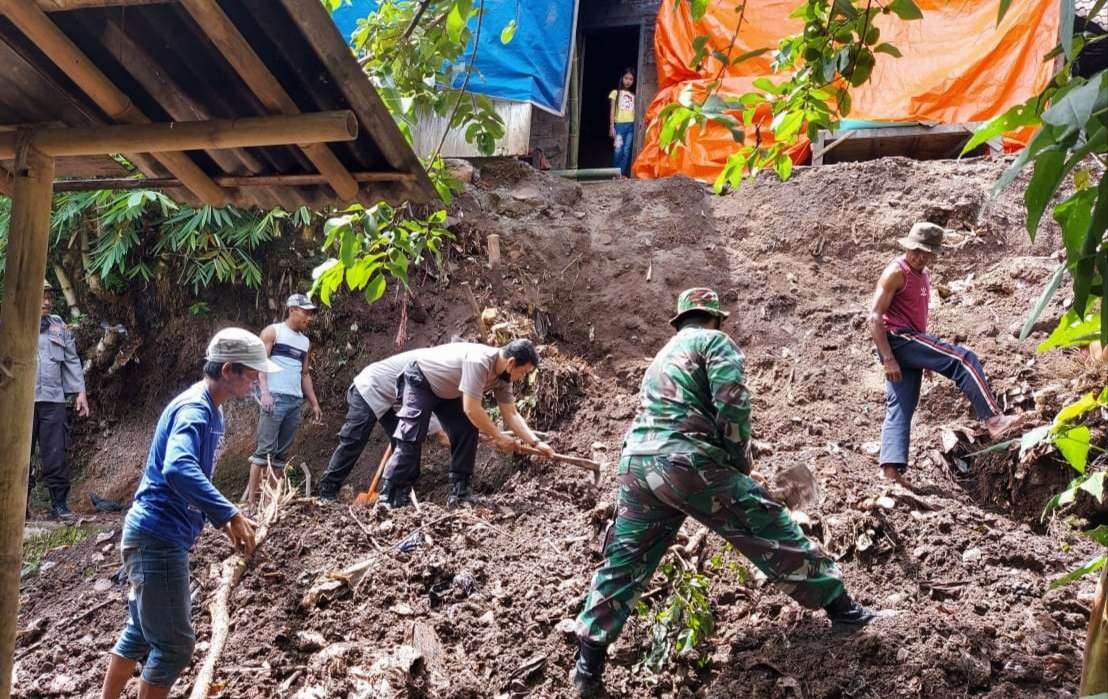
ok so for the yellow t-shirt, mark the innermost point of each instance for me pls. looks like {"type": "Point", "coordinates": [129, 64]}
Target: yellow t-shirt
{"type": "Point", "coordinates": [625, 109]}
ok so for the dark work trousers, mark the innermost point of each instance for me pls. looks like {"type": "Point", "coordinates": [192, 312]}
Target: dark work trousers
{"type": "Point", "coordinates": [417, 403]}
{"type": "Point", "coordinates": [51, 434]}
{"type": "Point", "coordinates": [353, 437]}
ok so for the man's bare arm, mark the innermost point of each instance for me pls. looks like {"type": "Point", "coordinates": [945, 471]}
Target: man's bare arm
{"type": "Point", "coordinates": [891, 281]}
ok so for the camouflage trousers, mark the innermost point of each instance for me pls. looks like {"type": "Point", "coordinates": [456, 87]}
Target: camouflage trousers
{"type": "Point", "coordinates": [656, 493]}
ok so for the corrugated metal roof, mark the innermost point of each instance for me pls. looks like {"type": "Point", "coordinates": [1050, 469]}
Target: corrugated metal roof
{"type": "Point", "coordinates": [167, 64]}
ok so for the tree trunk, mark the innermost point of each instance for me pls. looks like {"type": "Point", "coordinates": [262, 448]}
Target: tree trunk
{"type": "Point", "coordinates": [67, 291]}
{"type": "Point", "coordinates": [1094, 674]}
{"type": "Point", "coordinates": [19, 321]}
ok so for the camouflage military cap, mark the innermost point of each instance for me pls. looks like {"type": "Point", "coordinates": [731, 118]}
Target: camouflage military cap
{"type": "Point", "coordinates": [699, 299]}
{"type": "Point", "coordinates": [46, 285]}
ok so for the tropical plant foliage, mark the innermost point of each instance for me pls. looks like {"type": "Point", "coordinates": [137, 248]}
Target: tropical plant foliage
{"type": "Point", "coordinates": [837, 50]}
{"type": "Point", "coordinates": [140, 234]}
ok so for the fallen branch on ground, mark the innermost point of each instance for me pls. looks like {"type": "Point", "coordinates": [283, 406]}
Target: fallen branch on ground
{"type": "Point", "coordinates": [274, 497]}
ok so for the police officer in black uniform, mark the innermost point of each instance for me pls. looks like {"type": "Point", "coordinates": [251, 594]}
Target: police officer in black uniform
{"type": "Point", "coordinates": [59, 375]}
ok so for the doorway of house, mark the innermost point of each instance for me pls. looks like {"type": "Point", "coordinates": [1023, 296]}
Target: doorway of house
{"type": "Point", "coordinates": [607, 52]}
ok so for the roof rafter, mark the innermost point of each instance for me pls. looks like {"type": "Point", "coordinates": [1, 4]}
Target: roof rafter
{"type": "Point", "coordinates": [253, 71]}
{"type": "Point", "coordinates": [34, 23]}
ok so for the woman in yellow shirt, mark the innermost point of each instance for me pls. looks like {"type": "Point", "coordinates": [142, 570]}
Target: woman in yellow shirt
{"type": "Point", "coordinates": [621, 122]}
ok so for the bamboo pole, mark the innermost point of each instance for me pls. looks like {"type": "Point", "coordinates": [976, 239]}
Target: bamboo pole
{"type": "Point", "coordinates": [86, 184]}
{"type": "Point", "coordinates": [246, 62]}
{"type": "Point", "coordinates": [1094, 673]}
{"type": "Point", "coordinates": [186, 135]}
{"type": "Point", "coordinates": [19, 320]}
{"type": "Point", "coordinates": [33, 22]}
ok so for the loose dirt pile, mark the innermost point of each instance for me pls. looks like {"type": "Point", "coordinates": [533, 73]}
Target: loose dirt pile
{"type": "Point", "coordinates": [478, 606]}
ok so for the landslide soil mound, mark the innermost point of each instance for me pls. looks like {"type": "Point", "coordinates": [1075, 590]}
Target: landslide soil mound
{"type": "Point", "coordinates": [592, 271]}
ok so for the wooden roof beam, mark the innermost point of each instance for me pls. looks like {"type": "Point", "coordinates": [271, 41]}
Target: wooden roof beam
{"type": "Point", "coordinates": [91, 183]}
{"type": "Point", "coordinates": [246, 62]}
{"type": "Point", "coordinates": [33, 22]}
{"type": "Point", "coordinates": [252, 132]}
{"type": "Point", "coordinates": [64, 5]}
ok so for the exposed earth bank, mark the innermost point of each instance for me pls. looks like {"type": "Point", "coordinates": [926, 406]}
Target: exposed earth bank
{"type": "Point", "coordinates": [592, 273]}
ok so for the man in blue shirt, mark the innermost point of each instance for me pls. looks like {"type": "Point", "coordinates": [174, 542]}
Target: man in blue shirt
{"type": "Point", "coordinates": [173, 500]}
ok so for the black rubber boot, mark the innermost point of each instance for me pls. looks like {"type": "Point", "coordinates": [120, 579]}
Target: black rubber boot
{"type": "Point", "coordinates": [846, 614]}
{"type": "Point", "coordinates": [327, 494]}
{"type": "Point", "coordinates": [587, 675]}
{"type": "Point", "coordinates": [395, 495]}
{"type": "Point", "coordinates": [461, 494]}
{"type": "Point", "coordinates": [58, 507]}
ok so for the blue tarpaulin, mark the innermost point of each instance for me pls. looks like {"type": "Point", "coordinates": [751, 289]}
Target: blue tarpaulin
{"type": "Point", "coordinates": [533, 67]}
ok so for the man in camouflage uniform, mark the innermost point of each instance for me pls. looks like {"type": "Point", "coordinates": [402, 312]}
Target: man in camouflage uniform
{"type": "Point", "coordinates": [59, 375]}
{"type": "Point", "coordinates": [687, 454]}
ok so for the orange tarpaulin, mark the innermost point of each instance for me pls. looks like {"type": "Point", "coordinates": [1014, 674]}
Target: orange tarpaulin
{"type": "Point", "coordinates": [958, 66]}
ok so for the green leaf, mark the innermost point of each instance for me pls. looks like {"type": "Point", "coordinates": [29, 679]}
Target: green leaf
{"type": "Point", "coordinates": [1066, 28]}
{"type": "Point", "coordinates": [375, 289]}
{"type": "Point", "coordinates": [1003, 10]}
{"type": "Point", "coordinates": [1073, 215]}
{"type": "Point", "coordinates": [906, 9]}
{"type": "Point", "coordinates": [1074, 410]}
{"type": "Point", "coordinates": [1083, 270]}
{"type": "Point", "coordinates": [888, 48]}
{"type": "Point", "coordinates": [1044, 183]}
{"type": "Point", "coordinates": [1074, 108]}
{"type": "Point", "coordinates": [508, 33]}
{"type": "Point", "coordinates": [1044, 299]}
{"type": "Point", "coordinates": [1095, 484]}
{"type": "Point", "coordinates": [1074, 445]}
{"type": "Point", "coordinates": [455, 23]}
{"type": "Point", "coordinates": [1032, 439]}
{"type": "Point", "coordinates": [1090, 567]}
{"type": "Point", "coordinates": [748, 55]}
{"type": "Point", "coordinates": [1073, 330]}
{"type": "Point", "coordinates": [1099, 535]}
{"type": "Point", "coordinates": [697, 8]}
{"type": "Point", "coordinates": [846, 8]}
{"type": "Point", "coordinates": [1017, 117]}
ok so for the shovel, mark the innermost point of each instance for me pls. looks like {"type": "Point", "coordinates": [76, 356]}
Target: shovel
{"type": "Point", "coordinates": [587, 464]}
{"type": "Point", "coordinates": [370, 496]}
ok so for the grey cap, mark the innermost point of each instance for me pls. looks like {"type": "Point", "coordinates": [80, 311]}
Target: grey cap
{"type": "Point", "coordinates": [925, 236]}
{"type": "Point", "coordinates": [238, 346]}
{"type": "Point", "coordinates": [300, 301]}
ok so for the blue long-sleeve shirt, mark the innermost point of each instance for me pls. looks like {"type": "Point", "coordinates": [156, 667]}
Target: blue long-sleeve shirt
{"type": "Point", "coordinates": [176, 493]}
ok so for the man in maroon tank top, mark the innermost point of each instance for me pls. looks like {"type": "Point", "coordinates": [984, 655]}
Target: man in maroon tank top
{"type": "Point", "coordinates": [898, 324]}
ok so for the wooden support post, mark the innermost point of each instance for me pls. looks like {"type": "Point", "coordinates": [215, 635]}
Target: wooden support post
{"type": "Point", "coordinates": [250, 67]}
{"type": "Point", "coordinates": [1094, 672]}
{"type": "Point", "coordinates": [33, 22]}
{"type": "Point", "coordinates": [339, 125]}
{"type": "Point", "coordinates": [19, 319]}
{"type": "Point", "coordinates": [64, 5]}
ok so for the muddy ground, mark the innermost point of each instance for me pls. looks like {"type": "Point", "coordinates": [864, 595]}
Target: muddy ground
{"type": "Point", "coordinates": [592, 272]}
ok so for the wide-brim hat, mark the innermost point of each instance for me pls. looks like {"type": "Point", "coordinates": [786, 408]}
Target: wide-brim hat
{"type": "Point", "coordinates": [698, 299]}
{"type": "Point", "coordinates": [238, 346]}
{"type": "Point", "coordinates": [925, 236]}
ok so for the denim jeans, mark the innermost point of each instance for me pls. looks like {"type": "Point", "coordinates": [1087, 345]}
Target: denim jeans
{"type": "Point", "coordinates": [915, 352]}
{"type": "Point", "coordinates": [159, 629]}
{"type": "Point", "coordinates": [276, 431]}
{"type": "Point", "coordinates": [621, 156]}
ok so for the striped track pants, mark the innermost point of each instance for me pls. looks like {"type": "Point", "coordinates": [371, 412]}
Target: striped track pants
{"type": "Point", "coordinates": [916, 352]}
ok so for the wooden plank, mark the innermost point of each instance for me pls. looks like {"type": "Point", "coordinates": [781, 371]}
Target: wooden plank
{"type": "Point", "coordinates": [428, 133]}
{"type": "Point", "coordinates": [320, 33]}
{"type": "Point", "coordinates": [25, 270]}
{"type": "Point", "coordinates": [34, 23]}
{"type": "Point", "coordinates": [249, 66]}
{"type": "Point", "coordinates": [187, 135]}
